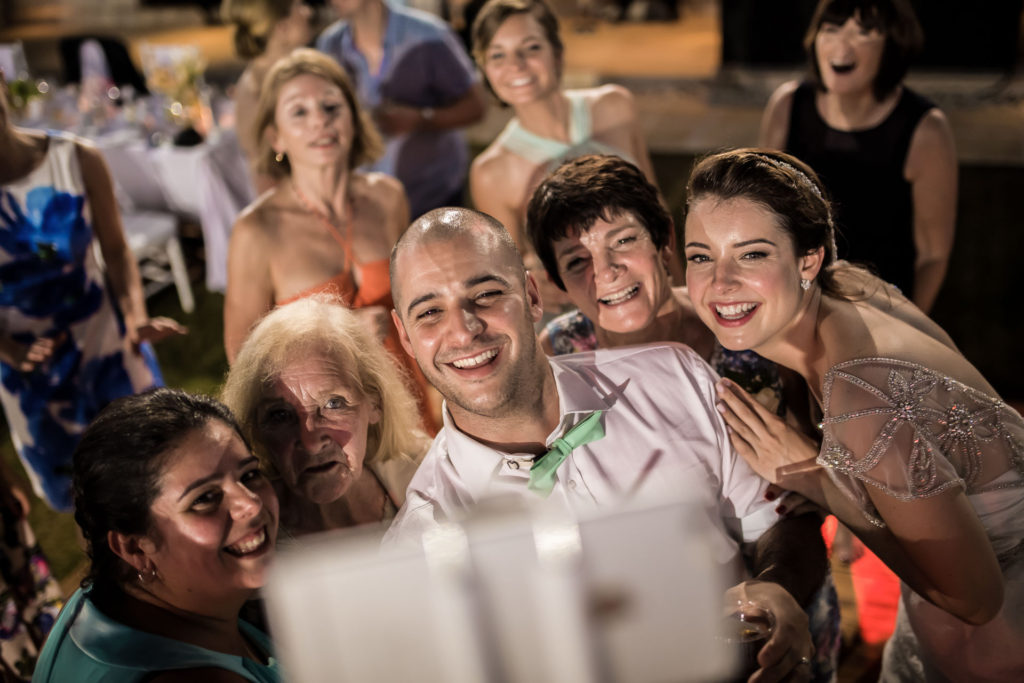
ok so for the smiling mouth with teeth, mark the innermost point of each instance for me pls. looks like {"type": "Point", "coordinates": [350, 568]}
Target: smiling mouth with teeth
{"type": "Point", "coordinates": [475, 361]}
{"type": "Point", "coordinates": [620, 296]}
{"type": "Point", "coordinates": [734, 311]}
{"type": "Point", "coordinates": [248, 545]}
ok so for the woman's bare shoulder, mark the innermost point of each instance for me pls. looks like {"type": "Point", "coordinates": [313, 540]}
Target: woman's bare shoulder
{"type": "Point", "coordinates": [263, 215]}
{"type": "Point", "coordinates": [494, 159]}
{"type": "Point", "coordinates": [612, 106]}
{"type": "Point", "coordinates": [775, 119]}
{"type": "Point", "coordinates": [497, 170]}
{"type": "Point", "coordinates": [377, 186]}
{"type": "Point", "coordinates": [610, 96]}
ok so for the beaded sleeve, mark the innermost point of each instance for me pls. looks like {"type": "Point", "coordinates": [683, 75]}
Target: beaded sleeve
{"type": "Point", "coordinates": [914, 433]}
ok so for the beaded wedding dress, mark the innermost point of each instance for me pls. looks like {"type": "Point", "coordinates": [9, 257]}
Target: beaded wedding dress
{"type": "Point", "coordinates": [913, 433]}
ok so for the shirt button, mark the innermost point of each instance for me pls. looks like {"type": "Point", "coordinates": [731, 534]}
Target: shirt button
{"type": "Point", "coordinates": [572, 483]}
{"type": "Point", "coordinates": [513, 464]}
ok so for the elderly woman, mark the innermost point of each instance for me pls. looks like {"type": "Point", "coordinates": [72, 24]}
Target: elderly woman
{"type": "Point", "coordinates": [329, 414]}
{"type": "Point", "coordinates": [325, 227]}
{"type": "Point", "coordinates": [919, 456]}
{"type": "Point", "coordinates": [265, 31]}
{"type": "Point", "coordinates": [180, 525]}
{"type": "Point", "coordinates": [518, 49]}
{"type": "Point", "coordinates": [598, 227]}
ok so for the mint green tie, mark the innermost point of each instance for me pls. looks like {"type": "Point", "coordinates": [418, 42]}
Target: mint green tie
{"type": "Point", "coordinates": [542, 473]}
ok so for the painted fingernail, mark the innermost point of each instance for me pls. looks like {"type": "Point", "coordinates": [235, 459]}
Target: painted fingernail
{"type": "Point", "coordinates": [769, 496]}
{"type": "Point", "coordinates": [781, 509]}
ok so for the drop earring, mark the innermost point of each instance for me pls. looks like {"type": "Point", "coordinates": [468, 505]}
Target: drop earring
{"type": "Point", "coordinates": [805, 284]}
{"type": "Point", "coordinates": [279, 157]}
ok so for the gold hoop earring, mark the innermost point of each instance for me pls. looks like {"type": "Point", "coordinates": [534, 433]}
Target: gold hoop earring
{"type": "Point", "coordinates": [279, 157]}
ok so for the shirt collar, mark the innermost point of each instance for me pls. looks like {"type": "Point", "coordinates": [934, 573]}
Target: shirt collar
{"type": "Point", "coordinates": [391, 29]}
{"type": "Point", "coordinates": [476, 463]}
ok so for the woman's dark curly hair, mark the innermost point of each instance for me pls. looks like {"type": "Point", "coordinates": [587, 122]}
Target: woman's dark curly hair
{"type": "Point", "coordinates": [118, 464]}
{"type": "Point", "coordinates": [579, 192]}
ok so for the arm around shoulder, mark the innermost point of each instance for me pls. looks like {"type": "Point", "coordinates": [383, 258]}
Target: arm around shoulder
{"type": "Point", "coordinates": [775, 120]}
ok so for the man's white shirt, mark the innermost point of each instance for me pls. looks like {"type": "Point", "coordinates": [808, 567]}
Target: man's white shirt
{"type": "Point", "coordinates": [663, 440]}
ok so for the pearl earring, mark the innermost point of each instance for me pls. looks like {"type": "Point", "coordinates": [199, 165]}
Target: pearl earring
{"type": "Point", "coordinates": [805, 284]}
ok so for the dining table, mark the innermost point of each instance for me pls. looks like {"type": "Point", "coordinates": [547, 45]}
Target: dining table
{"type": "Point", "coordinates": [200, 178]}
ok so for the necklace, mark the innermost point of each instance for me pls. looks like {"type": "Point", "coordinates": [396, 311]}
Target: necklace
{"type": "Point", "coordinates": [340, 232]}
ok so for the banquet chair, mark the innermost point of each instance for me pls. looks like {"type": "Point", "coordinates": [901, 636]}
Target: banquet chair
{"type": "Point", "coordinates": [153, 238]}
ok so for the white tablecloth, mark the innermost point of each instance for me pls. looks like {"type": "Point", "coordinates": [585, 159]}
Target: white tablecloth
{"type": "Point", "coordinates": [208, 183]}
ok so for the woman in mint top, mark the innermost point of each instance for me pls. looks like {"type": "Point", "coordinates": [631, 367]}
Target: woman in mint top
{"type": "Point", "coordinates": [180, 526]}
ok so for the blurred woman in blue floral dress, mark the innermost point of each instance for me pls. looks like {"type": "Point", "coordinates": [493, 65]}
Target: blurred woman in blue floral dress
{"type": "Point", "coordinates": [72, 333]}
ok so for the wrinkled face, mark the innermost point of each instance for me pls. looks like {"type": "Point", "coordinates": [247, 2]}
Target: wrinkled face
{"type": "Point", "coordinates": [312, 122]}
{"type": "Point", "coordinates": [466, 317]}
{"type": "Point", "coordinates": [615, 274]}
{"type": "Point", "coordinates": [313, 424]}
{"type": "Point", "coordinates": [214, 519]}
{"type": "Point", "coordinates": [519, 62]}
{"type": "Point", "coordinates": [849, 56]}
{"type": "Point", "coordinates": [742, 271]}
{"type": "Point", "coordinates": [296, 27]}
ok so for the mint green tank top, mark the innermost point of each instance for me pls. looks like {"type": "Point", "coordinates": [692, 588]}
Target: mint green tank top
{"type": "Point", "coordinates": [552, 153]}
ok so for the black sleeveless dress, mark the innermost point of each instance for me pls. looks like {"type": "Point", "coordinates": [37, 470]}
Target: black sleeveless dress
{"type": "Point", "coordinates": [863, 172]}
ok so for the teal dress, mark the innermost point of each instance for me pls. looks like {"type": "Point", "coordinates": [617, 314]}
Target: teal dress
{"type": "Point", "coordinates": [87, 646]}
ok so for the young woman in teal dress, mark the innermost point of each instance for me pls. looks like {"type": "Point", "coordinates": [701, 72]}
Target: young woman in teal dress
{"type": "Point", "coordinates": [919, 455]}
{"type": "Point", "coordinates": [180, 526]}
